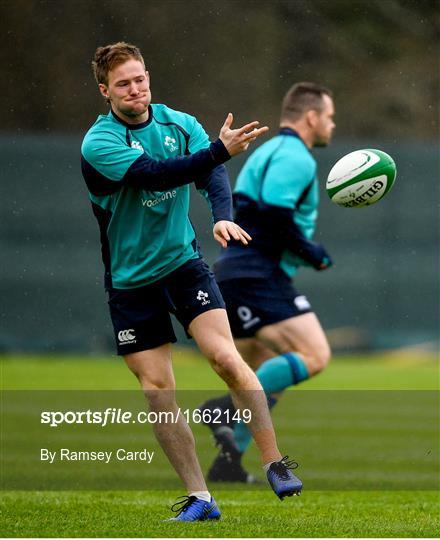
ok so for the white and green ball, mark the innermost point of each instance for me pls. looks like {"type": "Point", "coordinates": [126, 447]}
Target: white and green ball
{"type": "Point", "coordinates": [361, 178]}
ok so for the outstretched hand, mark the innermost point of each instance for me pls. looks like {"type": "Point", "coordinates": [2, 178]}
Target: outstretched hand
{"type": "Point", "coordinates": [224, 230]}
{"type": "Point", "coordinates": [238, 140]}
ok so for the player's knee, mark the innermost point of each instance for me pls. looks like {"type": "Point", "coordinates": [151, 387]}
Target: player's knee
{"type": "Point", "coordinates": [227, 364]}
{"type": "Point", "coordinates": [150, 382]}
{"type": "Point", "coordinates": [319, 359]}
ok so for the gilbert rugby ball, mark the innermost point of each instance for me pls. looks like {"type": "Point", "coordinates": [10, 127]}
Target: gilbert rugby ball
{"type": "Point", "coordinates": [361, 178]}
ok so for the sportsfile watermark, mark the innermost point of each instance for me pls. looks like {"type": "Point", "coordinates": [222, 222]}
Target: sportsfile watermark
{"type": "Point", "coordinates": [112, 415]}
{"type": "Point", "coordinates": [99, 440]}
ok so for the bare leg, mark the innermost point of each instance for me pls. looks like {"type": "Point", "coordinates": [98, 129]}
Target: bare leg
{"type": "Point", "coordinates": [213, 336]}
{"type": "Point", "coordinates": [253, 351]}
{"type": "Point", "coordinates": [153, 368]}
{"type": "Point", "coordinates": [303, 335]}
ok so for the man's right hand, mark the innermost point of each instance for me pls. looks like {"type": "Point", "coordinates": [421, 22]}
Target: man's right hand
{"type": "Point", "coordinates": [238, 140]}
{"type": "Point", "coordinates": [318, 257]}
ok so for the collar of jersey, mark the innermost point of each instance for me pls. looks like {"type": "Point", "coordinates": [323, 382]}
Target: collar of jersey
{"type": "Point", "coordinates": [132, 127]}
{"type": "Point", "coordinates": [289, 131]}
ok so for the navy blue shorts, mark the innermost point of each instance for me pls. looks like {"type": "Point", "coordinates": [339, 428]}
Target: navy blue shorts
{"type": "Point", "coordinates": [252, 303]}
{"type": "Point", "coordinates": [141, 317]}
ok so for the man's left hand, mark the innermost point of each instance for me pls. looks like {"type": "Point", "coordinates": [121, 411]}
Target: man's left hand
{"type": "Point", "coordinates": [225, 230]}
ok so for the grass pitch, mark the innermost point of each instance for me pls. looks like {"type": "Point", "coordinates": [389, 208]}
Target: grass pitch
{"type": "Point", "coordinates": [245, 513]}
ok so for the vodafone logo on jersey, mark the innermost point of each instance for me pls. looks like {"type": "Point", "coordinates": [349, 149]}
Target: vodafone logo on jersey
{"type": "Point", "coordinates": [165, 196]}
{"type": "Point", "coordinates": [126, 337]}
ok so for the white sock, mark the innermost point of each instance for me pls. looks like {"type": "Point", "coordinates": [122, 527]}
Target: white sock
{"type": "Point", "coordinates": [203, 495]}
{"type": "Point", "coordinates": [267, 466]}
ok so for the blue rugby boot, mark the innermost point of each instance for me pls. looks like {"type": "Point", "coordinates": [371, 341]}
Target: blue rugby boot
{"type": "Point", "coordinates": [194, 509]}
{"type": "Point", "coordinates": [282, 480]}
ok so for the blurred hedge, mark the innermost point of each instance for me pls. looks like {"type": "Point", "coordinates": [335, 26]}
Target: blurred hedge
{"type": "Point", "coordinates": [207, 57]}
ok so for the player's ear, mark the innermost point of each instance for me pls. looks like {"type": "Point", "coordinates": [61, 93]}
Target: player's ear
{"type": "Point", "coordinates": [104, 90]}
{"type": "Point", "coordinates": [147, 74]}
{"type": "Point", "coordinates": [312, 118]}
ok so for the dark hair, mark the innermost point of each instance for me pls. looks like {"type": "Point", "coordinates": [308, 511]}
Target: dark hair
{"type": "Point", "coordinates": [303, 97]}
{"type": "Point", "coordinates": [108, 57]}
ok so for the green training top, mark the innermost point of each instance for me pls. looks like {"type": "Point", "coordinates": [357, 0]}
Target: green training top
{"type": "Point", "coordinates": [145, 233]}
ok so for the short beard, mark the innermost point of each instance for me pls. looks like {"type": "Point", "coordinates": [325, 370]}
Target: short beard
{"type": "Point", "coordinates": [320, 144]}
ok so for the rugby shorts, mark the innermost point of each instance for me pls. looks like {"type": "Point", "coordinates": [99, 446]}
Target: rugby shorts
{"type": "Point", "coordinates": [141, 317]}
{"type": "Point", "coordinates": [252, 303]}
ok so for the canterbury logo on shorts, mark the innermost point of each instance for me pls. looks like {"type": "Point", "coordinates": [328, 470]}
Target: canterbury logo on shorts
{"type": "Point", "coordinates": [127, 336]}
{"type": "Point", "coordinates": [302, 303]}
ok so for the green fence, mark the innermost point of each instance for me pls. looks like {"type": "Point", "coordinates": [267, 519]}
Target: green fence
{"type": "Point", "coordinates": [382, 292]}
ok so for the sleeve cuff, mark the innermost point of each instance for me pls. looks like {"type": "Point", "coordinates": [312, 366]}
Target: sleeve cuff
{"type": "Point", "coordinates": [224, 215]}
{"type": "Point", "coordinates": [218, 152]}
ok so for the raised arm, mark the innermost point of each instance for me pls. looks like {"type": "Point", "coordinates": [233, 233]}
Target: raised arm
{"type": "Point", "coordinates": [147, 173]}
{"type": "Point", "coordinates": [141, 171]}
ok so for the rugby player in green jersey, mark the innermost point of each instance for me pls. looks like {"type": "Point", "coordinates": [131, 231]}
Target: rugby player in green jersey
{"type": "Point", "coordinates": [138, 162]}
{"type": "Point", "coordinates": [273, 324]}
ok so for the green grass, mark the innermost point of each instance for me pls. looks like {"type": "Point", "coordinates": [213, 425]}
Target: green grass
{"type": "Point", "coordinates": [246, 513]}
{"type": "Point", "coordinates": [374, 372]}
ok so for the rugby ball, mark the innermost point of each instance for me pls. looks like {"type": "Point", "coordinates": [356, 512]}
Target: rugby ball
{"type": "Point", "coordinates": [361, 178]}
